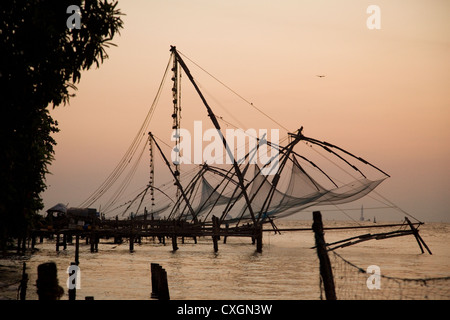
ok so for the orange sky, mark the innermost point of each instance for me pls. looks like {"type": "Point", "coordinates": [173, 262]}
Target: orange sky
{"type": "Point", "coordinates": [385, 96]}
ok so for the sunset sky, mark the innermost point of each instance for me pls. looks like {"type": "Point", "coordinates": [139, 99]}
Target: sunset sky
{"type": "Point", "coordinates": [385, 95]}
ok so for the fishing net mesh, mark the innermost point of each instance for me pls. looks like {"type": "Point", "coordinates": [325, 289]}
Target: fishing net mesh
{"type": "Point", "coordinates": [352, 283]}
{"type": "Point", "coordinates": [302, 192]}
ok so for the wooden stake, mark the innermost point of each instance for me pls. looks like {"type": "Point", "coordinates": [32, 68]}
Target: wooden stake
{"type": "Point", "coordinates": [258, 237]}
{"type": "Point", "coordinates": [73, 292]}
{"type": "Point", "coordinates": [160, 286]}
{"type": "Point", "coordinates": [131, 242]}
{"type": "Point", "coordinates": [47, 282]}
{"type": "Point", "coordinates": [163, 286]}
{"type": "Point", "coordinates": [57, 242]}
{"type": "Point", "coordinates": [174, 243]}
{"type": "Point", "coordinates": [216, 229]}
{"type": "Point", "coordinates": [174, 237]}
{"type": "Point", "coordinates": [77, 249]}
{"type": "Point", "coordinates": [155, 269]}
{"type": "Point", "coordinates": [92, 242]}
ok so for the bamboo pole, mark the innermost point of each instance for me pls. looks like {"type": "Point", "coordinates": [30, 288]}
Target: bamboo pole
{"type": "Point", "coordinates": [326, 272]}
{"type": "Point", "coordinates": [418, 237]}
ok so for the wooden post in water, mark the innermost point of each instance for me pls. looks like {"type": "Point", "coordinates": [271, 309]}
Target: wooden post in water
{"type": "Point", "coordinates": [154, 268]}
{"type": "Point", "coordinates": [131, 242]}
{"type": "Point", "coordinates": [57, 242]}
{"type": "Point", "coordinates": [163, 286]}
{"type": "Point", "coordinates": [92, 240]}
{"type": "Point", "coordinates": [216, 229]}
{"type": "Point", "coordinates": [77, 249]}
{"type": "Point", "coordinates": [131, 235]}
{"type": "Point", "coordinates": [160, 286]}
{"type": "Point", "coordinates": [145, 218]}
{"type": "Point", "coordinates": [174, 242]}
{"type": "Point", "coordinates": [97, 240]}
{"type": "Point", "coordinates": [174, 236]}
{"type": "Point", "coordinates": [259, 233]}
{"type": "Point", "coordinates": [326, 272]}
{"type": "Point", "coordinates": [47, 282]}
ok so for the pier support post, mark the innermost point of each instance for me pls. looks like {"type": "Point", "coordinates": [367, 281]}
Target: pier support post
{"type": "Point", "coordinates": [174, 243]}
{"type": "Point", "coordinates": [174, 236]}
{"type": "Point", "coordinates": [216, 229]}
{"type": "Point", "coordinates": [259, 236]}
{"type": "Point", "coordinates": [160, 286]}
{"type": "Point", "coordinates": [77, 249]}
{"type": "Point", "coordinates": [57, 242]}
{"type": "Point", "coordinates": [131, 234]}
{"type": "Point", "coordinates": [131, 243]}
{"type": "Point", "coordinates": [92, 240]}
{"type": "Point", "coordinates": [326, 272]}
{"type": "Point", "coordinates": [154, 268]}
{"type": "Point", "coordinates": [24, 283]}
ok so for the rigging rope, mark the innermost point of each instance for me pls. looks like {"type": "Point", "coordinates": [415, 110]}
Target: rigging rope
{"type": "Point", "coordinates": [120, 168]}
{"type": "Point", "coordinates": [125, 182]}
{"type": "Point", "coordinates": [234, 92]}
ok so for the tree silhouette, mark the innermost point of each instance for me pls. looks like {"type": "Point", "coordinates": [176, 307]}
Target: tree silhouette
{"type": "Point", "coordinates": [41, 60]}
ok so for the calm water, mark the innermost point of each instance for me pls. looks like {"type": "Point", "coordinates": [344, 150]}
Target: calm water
{"type": "Point", "coordinates": [287, 268]}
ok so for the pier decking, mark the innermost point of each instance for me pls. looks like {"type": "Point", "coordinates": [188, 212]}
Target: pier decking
{"type": "Point", "coordinates": [135, 230]}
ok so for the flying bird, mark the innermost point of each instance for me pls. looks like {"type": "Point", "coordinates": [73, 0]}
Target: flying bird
{"type": "Point", "coordinates": [320, 75]}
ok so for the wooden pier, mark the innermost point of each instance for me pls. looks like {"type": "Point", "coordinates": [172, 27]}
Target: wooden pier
{"type": "Point", "coordinates": [135, 230]}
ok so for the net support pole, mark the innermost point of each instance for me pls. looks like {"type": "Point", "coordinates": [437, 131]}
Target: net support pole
{"type": "Point", "coordinates": [326, 272]}
{"type": "Point", "coordinates": [418, 237]}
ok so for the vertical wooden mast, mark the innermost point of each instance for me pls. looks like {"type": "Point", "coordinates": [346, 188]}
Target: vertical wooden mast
{"type": "Point", "coordinates": [217, 126]}
{"type": "Point", "coordinates": [176, 116]}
